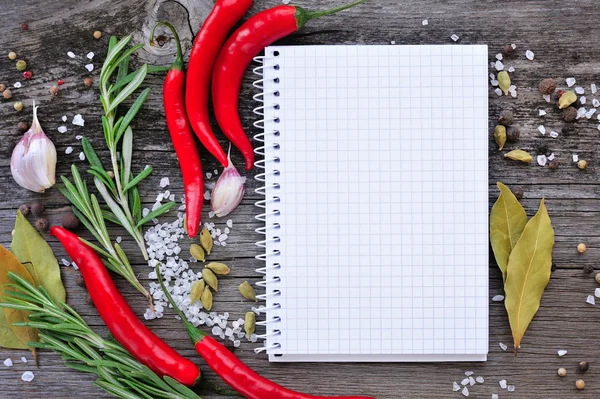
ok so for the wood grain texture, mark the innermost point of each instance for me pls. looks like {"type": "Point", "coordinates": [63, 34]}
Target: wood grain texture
{"type": "Point", "coordinates": [566, 41]}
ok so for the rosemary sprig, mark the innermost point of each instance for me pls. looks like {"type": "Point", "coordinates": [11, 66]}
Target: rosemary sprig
{"type": "Point", "coordinates": [63, 330]}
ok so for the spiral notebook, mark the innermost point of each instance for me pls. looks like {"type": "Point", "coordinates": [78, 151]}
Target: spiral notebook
{"type": "Point", "coordinates": [375, 179]}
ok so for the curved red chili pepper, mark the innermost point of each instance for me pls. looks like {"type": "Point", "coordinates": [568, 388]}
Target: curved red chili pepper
{"type": "Point", "coordinates": [231, 369]}
{"type": "Point", "coordinates": [182, 138]}
{"type": "Point", "coordinates": [123, 324]}
{"type": "Point", "coordinates": [250, 39]}
{"type": "Point", "coordinates": [212, 35]}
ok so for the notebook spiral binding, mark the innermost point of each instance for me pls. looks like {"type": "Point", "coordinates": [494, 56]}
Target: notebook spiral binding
{"type": "Point", "coordinates": [270, 284]}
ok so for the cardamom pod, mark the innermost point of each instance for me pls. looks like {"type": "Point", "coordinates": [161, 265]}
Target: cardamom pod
{"type": "Point", "coordinates": [207, 299]}
{"type": "Point", "coordinates": [568, 98]}
{"type": "Point", "coordinates": [504, 81]}
{"type": "Point", "coordinates": [500, 136]}
{"type": "Point", "coordinates": [519, 155]}
{"type": "Point", "coordinates": [218, 268]}
{"type": "Point", "coordinates": [210, 279]}
{"type": "Point", "coordinates": [206, 240]}
{"type": "Point", "coordinates": [250, 323]}
{"type": "Point", "coordinates": [197, 252]}
{"type": "Point", "coordinates": [247, 291]}
{"type": "Point", "coordinates": [196, 291]}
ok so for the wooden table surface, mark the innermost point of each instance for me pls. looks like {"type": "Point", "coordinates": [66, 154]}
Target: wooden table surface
{"type": "Point", "coordinates": [566, 41]}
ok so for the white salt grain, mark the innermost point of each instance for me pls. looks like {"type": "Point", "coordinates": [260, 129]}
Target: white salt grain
{"type": "Point", "coordinates": [498, 92]}
{"type": "Point", "coordinates": [71, 54]}
{"type": "Point", "coordinates": [393, 42]}
{"type": "Point", "coordinates": [591, 300]}
{"type": "Point", "coordinates": [590, 113]}
{"type": "Point", "coordinates": [597, 293]}
{"type": "Point", "coordinates": [164, 182]}
{"type": "Point", "coordinates": [465, 391]}
{"type": "Point", "coordinates": [229, 223]}
{"type": "Point", "coordinates": [502, 346]}
{"type": "Point", "coordinates": [223, 237]}
{"type": "Point", "coordinates": [494, 396]}
{"type": "Point", "coordinates": [64, 118]}
{"type": "Point", "coordinates": [546, 97]}
{"type": "Point", "coordinates": [494, 83]}
{"type": "Point", "coordinates": [65, 262]}
{"type": "Point", "coordinates": [454, 37]}
{"type": "Point", "coordinates": [492, 76]}
{"type": "Point", "coordinates": [499, 65]}
{"type": "Point", "coordinates": [18, 85]}
{"type": "Point", "coordinates": [575, 158]}
{"type": "Point", "coordinates": [23, 359]}
{"type": "Point", "coordinates": [455, 387]}
{"type": "Point", "coordinates": [82, 156]}
{"type": "Point", "coordinates": [468, 373]}
{"type": "Point", "coordinates": [498, 298]}
{"type": "Point", "coordinates": [208, 175]}
{"type": "Point", "coordinates": [551, 156]}
{"type": "Point", "coordinates": [511, 69]}
{"type": "Point", "coordinates": [236, 343]}
{"type": "Point", "coordinates": [425, 22]}
{"type": "Point", "coordinates": [78, 120]}
{"type": "Point", "coordinates": [61, 129]}
{"type": "Point", "coordinates": [553, 134]}
{"type": "Point", "coordinates": [593, 88]}
{"type": "Point", "coordinates": [542, 160]}
{"type": "Point", "coordinates": [68, 150]}
{"type": "Point", "coordinates": [119, 239]}
{"type": "Point", "coordinates": [8, 362]}
{"type": "Point", "coordinates": [502, 384]}
{"type": "Point", "coordinates": [207, 195]}
{"type": "Point", "coordinates": [78, 137]}
{"type": "Point", "coordinates": [570, 81]}
{"type": "Point", "coordinates": [581, 112]}
{"type": "Point", "coordinates": [542, 129]}
{"type": "Point", "coordinates": [579, 90]}
{"type": "Point", "coordinates": [513, 93]}
{"type": "Point", "coordinates": [479, 379]}
{"type": "Point", "coordinates": [511, 388]}
{"type": "Point", "coordinates": [216, 172]}
{"type": "Point", "coordinates": [595, 102]}
{"type": "Point", "coordinates": [226, 231]}
{"type": "Point", "coordinates": [529, 54]}
{"type": "Point", "coordinates": [89, 67]}
{"type": "Point", "coordinates": [471, 381]}
{"type": "Point", "coordinates": [90, 55]}
{"type": "Point", "coordinates": [542, 112]}
{"type": "Point", "coordinates": [27, 376]}
{"type": "Point", "coordinates": [582, 100]}
{"type": "Point", "coordinates": [499, 56]}
{"type": "Point", "coordinates": [562, 352]}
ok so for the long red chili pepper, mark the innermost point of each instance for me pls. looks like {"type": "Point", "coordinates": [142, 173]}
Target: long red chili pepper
{"type": "Point", "coordinates": [123, 324]}
{"type": "Point", "coordinates": [231, 369]}
{"type": "Point", "coordinates": [250, 39]}
{"type": "Point", "coordinates": [182, 137]}
{"type": "Point", "coordinates": [212, 35]}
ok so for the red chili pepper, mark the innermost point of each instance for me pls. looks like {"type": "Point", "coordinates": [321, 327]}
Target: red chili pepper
{"type": "Point", "coordinates": [182, 137]}
{"type": "Point", "coordinates": [250, 39]}
{"type": "Point", "coordinates": [123, 324]}
{"type": "Point", "coordinates": [225, 14]}
{"type": "Point", "coordinates": [231, 369]}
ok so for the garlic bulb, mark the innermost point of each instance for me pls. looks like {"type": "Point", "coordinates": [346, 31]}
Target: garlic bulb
{"type": "Point", "coordinates": [33, 161]}
{"type": "Point", "coordinates": [228, 191]}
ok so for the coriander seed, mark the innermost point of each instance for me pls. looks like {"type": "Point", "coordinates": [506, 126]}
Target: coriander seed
{"type": "Point", "coordinates": [547, 86]}
{"type": "Point", "coordinates": [580, 384]}
{"type": "Point", "coordinates": [569, 114]}
{"type": "Point", "coordinates": [562, 371]}
{"type": "Point", "coordinates": [22, 127]}
{"type": "Point", "coordinates": [598, 278]}
{"type": "Point", "coordinates": [553, 164]}
{"type": "Point", "coordinates": [2, 87]}
{"type": "Point", "coordinates": [581, 248]}
{"type": "Point", "coordinates": [12, 55]}
{"type": "Point", "coordinates": [21, 65]}
{"type": "Point", "coordinates": [54, 90]}
{"type": "Point", "coordinates": [97, 34]}
{"type": "Point", "coordinates": [582, 164]}
{"type": "Point", "coordinates": [87, 82]}
{"type": "Point", "coordinates": [24, 209]}
{"type": "Point", "coordinates": [18, 106]}
{"type": "Point", "coordinates": [42, 225]}
{"type": "Point", "coordinates": [588, 269]}
{"type": "Point", "coordinates": [7, 94]}
{"type": "Point", "coordinates": [584, 366]}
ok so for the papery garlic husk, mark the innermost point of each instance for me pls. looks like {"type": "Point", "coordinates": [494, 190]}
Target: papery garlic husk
{"type": "Point", "coordinates": [228, 191]}
{"type": "Point", "coordinates": [33, 161]}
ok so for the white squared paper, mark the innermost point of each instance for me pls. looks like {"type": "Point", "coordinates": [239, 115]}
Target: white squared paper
{"type": "Point", "coordinates": [382, 203]}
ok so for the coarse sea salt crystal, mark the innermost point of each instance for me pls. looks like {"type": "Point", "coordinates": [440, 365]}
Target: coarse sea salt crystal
{"type": "Point", "coordinates": [471, 381]}
{"type": "Point", "coordinates": [23, 359]}
{"type": "Point", "coordinates": [530, 55]}
{"type": "Point", "coordinates": [494, 396]}
{"type": "Point", "coordinates": [494, 83]}
{"type": "Point", "coordinates": [502, 346]}
{"type": "Point", "coordinates": [597, 293]}
{"type": "Point", "coordinates": [514, 46]}
{"type": "Point", "coordinates": [581, 112]}
{"type": "Point", "coordinates": [64, 118]}
{"type": "Point", "coordinates": [499, 65]}
{"type": "Point", "coordinates": [164, 182]}
{"type": "Point", "coordinates": [570, 81]}
{"type": "Point", "coordinates": [479, 379]}
{"type": "Point", "coordinates": [82, 156]}
{"type": "Point", "coordinates": [216, 172]}
{"type": "Point", "coordinates": [582, 100]}
{"type": "Point", "coordinates": [208, 175]}
{"type": "Point", "coordinates": [542, 160]}
{"type": "Point", "coordinates": [511, 388]}
{"type": "Point", "coordinates": [8, 362]}
{"type": "Point", "coordinates": [455, 387]}
{"type": "Point", "coordinates": [546, 97]}
{"type": "Point", "coordinates": [18, 85]}
{"type": "Point", "coordinates": [207, 195]}
{"type": "Point", "coordinates": [579, 90]}
{"type": "Point", "coordinates": [542, 112]}
{"type": "Point", "coordinates": [27, 376]}
{"type": "Point", "coordinates": [78, 120]}
{"type": "Point", "coordinates": [425, 22]}
{"type": "Point", "coordinates": [465, 391]}
{"type": "Point", "coordinates": [393, 42]}
{"type": "Point", "coordinates": [498, 298]}
{"type": "Point", "coordinates": [492, 76]}
{"type": "Point", "coordinates": [590, 113]}
{"type": "Point", "coordinates": [513, 93]}
{"type": "Point", "coordinates": [499, 56]}
{"type": "Point", "coordinates": [591, 300]}
{"type": "Point", "coordinates": [90, 55]}
{"type": "Point", "coordinates": [454, 37]}
{"type": "Point", "coordinates": [553, 134]}
{"type": "Point", "coordinates": [68, 150]}
{"type": "Point", "coordinates": [542, 129]}
{"type": "Point", "coordinates": [511, 69]}
{"type": "Point", "coordinates": [498, 92]}
{"type": "Point", "coordinates": [575, 158]}
{"type": "Point", "coordinates": [595, 102]}
{"type": "Point", "coordinates": [551, 156]}
{"type": "Point", "coordinates": [502, 384]}
{"type": "Point", "coordinates": [465, 381]}
{"type": "Point", "coordinates": [119, 239]}
{"type": "Point", "coordinates": [89, 67]}
{"type": "Point", "coordinates": [78, 137]}
{"type": "Point", "coordinates": [468, 373]}
{"type": "Point", "coordinates": [61, 129]}
{"type": "Point", "coordinates": [229, 223]}
{"type": "Point", "coordinates": [65, 262]}
{"type": "Point", "coordinates": [562, 352]}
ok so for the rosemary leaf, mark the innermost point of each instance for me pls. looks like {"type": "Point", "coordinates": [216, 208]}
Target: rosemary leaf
{"type": "Point", "coordinates": [136, 180]}
{"type": "Point", "coordinates": [156, 213]}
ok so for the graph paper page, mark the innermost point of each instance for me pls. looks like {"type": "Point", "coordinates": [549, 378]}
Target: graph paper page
{"type": "Point", "coordinates": [382, 186]}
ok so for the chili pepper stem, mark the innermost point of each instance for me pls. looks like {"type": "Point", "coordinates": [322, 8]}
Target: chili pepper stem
{"type": "Point", "coordinates": [195, 334]}
{"type": "Point", "coordinates": [303, 16]}
{"type": "Point", "coordinates": [178, 63]}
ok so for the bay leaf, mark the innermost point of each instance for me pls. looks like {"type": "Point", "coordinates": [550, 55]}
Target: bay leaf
{"type": "Point", "coordinates": [519, 155]}
{"type": "Point", "coordinates": [11, 336]}
{"type": "Point", "coordinates": [36, 255]}
{"type": "Point", "coordinates": [507, 221]}
{"type": "Point", "coordinates": [528, 273]}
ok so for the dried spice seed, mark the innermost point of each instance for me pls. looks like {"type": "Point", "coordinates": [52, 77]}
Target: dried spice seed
{"type": "Point", "coordinates": [21, 65]}
{"type": "Point", "coordinates": [2, 88]}
{"type": "Point", "coordinates": [22, 127]}
{"type": "Point", "coordinates": [24, 26]}
{"type": "Point", "coordinates": [512, 134]}
{"type": "Point", "coordinates": [250, 323]}
{"type": "Point", "coordinates": [500, 136]}
{"type": "Point", "coordinates": [12, 55]}
{"type": "Point", "coordinates": [42, 225]}
{"type": "Point", "coordinates": [506, 118]}
{"type": "Point", "coordinates": [588, 269]}
{"type": "Point", "coordinates": [562, 371]}
{"type": "Point", "coordinates": [247, 291]}
{"type": "Point", "coordinates": [207, 299]}
{"type": "Point", "coordinates": [54, 90]}
{"type": "Point", "coordinates": [507, 49]}
{"type": "Point", "coordinates": [7, 94]}
{"type": "Point", "coordinates": [581, 248]}
{"type": "Point", "coordinates": [97, 34]}
{"type": "Point", "coordinates": [519, 155]}
{"type": "Point", "coordinates": [27, 74]}
{"type": "Point", "coordinates": [197, 291]}
{"type": "Point", "coordinates": [218, 268]}
{"type": "Point", "coordinates": [88, 81]}
{"type": "Point", "coordinates": [504, 81]}
{"type": "Point", "coordinates": [569, 114]}
{"type": "Point", "coordinates": [24, 209]}
{"type": "Point", "coordinates": [547, 86]}
{"type": "Point", "coordinates": [553, 164]}
{"type": "Point", "coordinates": [566, 99]}
{"type": "Point", "coordinates": [580, 384]}
{"type": "Point", "coordinates": [69, 221]}
{"type": "Point", "coordinates": [582, 164]}
{"type": "Point", "coordinates": [37, 208]}
{"type": "Point", "coordinates": [584, 366]}
{"type": "Point", "coordinates": [210, 279]}
{"type": "Point", "coordinates": [518, 191]}
{"type": "Point", "coordinates": [206, 240]}
{"type": "Point", "coordinates": [18, 106]}
{"type": "Point", "coordinates": [197, 252]}
{"type": "Point", "coordinates": [598, 278]}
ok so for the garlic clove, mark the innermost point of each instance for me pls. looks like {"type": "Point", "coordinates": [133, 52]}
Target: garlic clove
{"type": "Point", "coordinates": [228, 191]}
{"type": "Point", "coordinates": [33, 160]}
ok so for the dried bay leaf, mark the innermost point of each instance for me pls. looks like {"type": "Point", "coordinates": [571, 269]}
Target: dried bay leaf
{"type": "Point", "coordinates": [11, 336]}
{"type": "Point", "coordinates": [519, 155]}
{"type": "Point", "coordinates": [36, 255]}
{"type": "Point", "coordinates": [507, 221]}
{"type": "Point", "coordinates": [528, 272]}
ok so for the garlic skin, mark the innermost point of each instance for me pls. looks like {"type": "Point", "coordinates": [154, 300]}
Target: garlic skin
{"type": "Point", "coordinates": [33, 161]}
{"type": "Point", "coordinates": [228, 191]}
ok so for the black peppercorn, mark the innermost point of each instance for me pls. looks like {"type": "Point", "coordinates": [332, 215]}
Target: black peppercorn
{"type": "Point", "coordinates": [24, 209]}
{"type": "Point", "coordinates": [547, 86]}
{"type": "Point", "coordinates": [42, 225]}
{"type": "Point", "coordinates": [584, 366]}
{"type": "Point", "coordinates": [506, 118]}
{"type": "Point", "coordinates": [79, 281]}
{"type": "Point", "coordinates": [588, 269]}
{"type": "Point", "coordinates": [569, 114]}
{"type": "Point", "coordinates": [518, 191]}
{"type": "Point", "coordinates": [553, 164]}
{"type": "Point", "coordinates": [512, 134]}
{"type": "Point", "coordinates": [37, 208]}
{"type": "Point", "coordinates": [22, 127]}
{"type": "Point", "coordinates": [69, 221]}
{"type": "Point", "coordinates": [507, 49]}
